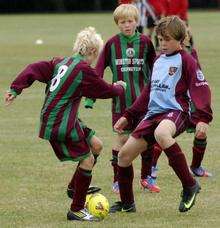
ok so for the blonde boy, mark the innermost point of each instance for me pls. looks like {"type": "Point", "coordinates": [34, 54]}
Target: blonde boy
{"type": "Point", "coordinates": [68, 79]}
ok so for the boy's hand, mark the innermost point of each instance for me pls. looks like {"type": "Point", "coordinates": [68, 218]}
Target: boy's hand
{"type": "Point", "coordinates": [122, 83]}
{"type": "Point", "coordinates": [201, 129]}
{"type": "Point", "coordinates": [9, 98]}
{"type": "Point", "coordinates": [120, 125]}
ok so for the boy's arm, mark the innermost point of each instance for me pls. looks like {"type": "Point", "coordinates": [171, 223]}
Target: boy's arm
{"type": "Point", "coordinates": [151, 54]}
{"type": "Point", "coordinates": [200, 93]}
{"type": "Point", "coordinates": [40, 71]}
{"type": "Point", "coordinates": [102, 63]}
{"type": "Point", "coordinates": [103, 60]}
{"type": "Point", "coordinates": [95, 87]}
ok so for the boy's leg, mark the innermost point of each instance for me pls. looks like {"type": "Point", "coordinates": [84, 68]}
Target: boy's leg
{"type": "Point", "coordinates": [148, 181]}
{"type": "Point", "coordinates": [82, 179]}
{"type": "Point", "coordinates": [120, 140]}
{"type": "Point", "coordinates": [132, 148]}
{"type": "Point", "coordinates": [199, 147]}
{"type": "Point", "coordinates": [164, 135]}
{"type": "Point", "coordinates": [96, 146]}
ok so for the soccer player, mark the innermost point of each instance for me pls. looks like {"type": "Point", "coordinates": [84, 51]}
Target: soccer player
{"type": "Point", "coordinates": [200, 139]}
{"type": "Point", "coordinates": [130, 56]}
{"type": "Point", "coordinates": [176, 79]}
{"type": "Point", "coordinates": [68, 79]}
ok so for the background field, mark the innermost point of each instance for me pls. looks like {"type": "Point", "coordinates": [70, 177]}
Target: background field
{"type": "Point", "coordinates": [33, 181]}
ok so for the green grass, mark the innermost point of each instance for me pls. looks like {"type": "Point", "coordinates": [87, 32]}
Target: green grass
{"type": "Point", "coordinates": [33, 181]}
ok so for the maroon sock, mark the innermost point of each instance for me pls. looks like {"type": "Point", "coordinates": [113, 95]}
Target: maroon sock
{"type": "Point", "coordinates": [125, 180]}
{"type": "Point", "coordinates": [146, 162]}
{"type": "Point", "coordinates": [156, 154]}
{"type": "Point", "coordinates": [114, 162]}
{"type": "Point", "coordinates": [178, 162]}
{"type": "Point", "coordinates": [81, 184]}
{"type": "Point", "coordinates": [199, 146]}
{"type": "Point", "coordinates": [71, 183]}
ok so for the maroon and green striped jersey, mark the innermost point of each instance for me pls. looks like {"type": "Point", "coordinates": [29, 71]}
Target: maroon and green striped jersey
{"type": "Point", "coordinates": [130, 59]}
{"type": "Point", "coordinates": [67, 79]}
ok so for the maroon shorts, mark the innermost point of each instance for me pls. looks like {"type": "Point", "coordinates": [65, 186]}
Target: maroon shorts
{"type": "Point", "coordinates": [146, 128]}
{"type": "Point", "coordinates": [69, 150]}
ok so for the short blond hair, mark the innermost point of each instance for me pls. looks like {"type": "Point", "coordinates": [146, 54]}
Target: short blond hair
{"type": "Point", "coordinates": [86, 40]}
{"type": "Point", "coordinates": [171, 26]}
{"type": "Point", "coordinates": [124, 11]}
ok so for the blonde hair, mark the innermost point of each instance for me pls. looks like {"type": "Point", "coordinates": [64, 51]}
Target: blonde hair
{"type": "Point", "coordinates": [171, 26]}
{"type": "Point", "coordinates": [125, 11]}
{"type": "Point", "coordinates": [87, 39]}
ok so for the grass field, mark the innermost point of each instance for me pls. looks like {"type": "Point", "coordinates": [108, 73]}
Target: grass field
{"type": "Point", "coordinates": [33, 181]}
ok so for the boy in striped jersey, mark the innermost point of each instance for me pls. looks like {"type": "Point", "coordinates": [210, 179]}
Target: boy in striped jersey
{"type": "Point", "coordinates": [176, 79]}
{"type": "Point", "coordinates": [68, 79]}
{"type": "Point", "coordinates": [130, 56]}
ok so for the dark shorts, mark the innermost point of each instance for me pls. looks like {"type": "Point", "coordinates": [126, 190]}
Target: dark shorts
{"type": "Point", "coordinates": [146, 128]}
{"type": "Point", "coordinates": [69, 150]}
{"type": "Point", "coordinates": [88, 132]}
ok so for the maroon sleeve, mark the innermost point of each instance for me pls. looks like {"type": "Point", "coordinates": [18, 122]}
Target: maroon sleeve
{"type": "Point", "coordinates": [95, 87]}
{"type": "Point", "coordinates": [103, 60]}
{"type": "Point", "coordinates": [40, 71]}
{"type": "Point", "coordinates": [139, 107]}
{"type": "Point", "coordinates": [151, 54]}
{"type": "Point", "coordinates": [198, 89]}
{"type": "Point", "coordinates": [195, 56]}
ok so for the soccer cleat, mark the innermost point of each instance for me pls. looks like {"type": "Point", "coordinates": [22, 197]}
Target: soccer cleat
{"type": "Point", "coordinates": [189, 197]}
{"type": "Point", "coordinates": [91, 190]}
{"type": "Point", "coordinates": [82, 215]}
{"type": "Point", "coordinates": [115, 187]}
{"type": "Point", "coordinates": [120, 207]}
{"type": "Point", "coordinates": [149, 183]}
{"type": "Point", "coordinates": [200, 172]}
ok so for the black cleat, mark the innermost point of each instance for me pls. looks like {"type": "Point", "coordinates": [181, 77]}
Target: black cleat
{"type": "Point", "coordinates": [120, 207]}
{"type": "Point", "coordinates": [189, 197]}
{"type": "Point", "coordinates": [91, 190]}
{"type": "Point", "coordinates": [82, 215]}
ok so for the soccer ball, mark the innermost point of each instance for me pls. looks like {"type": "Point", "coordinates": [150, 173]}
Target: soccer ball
{"type": "Point", "coordinates": [98, 205]}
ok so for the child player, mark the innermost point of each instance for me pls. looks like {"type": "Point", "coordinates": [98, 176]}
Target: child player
{"type": "Point", "coordinates": [130, 56]}
{"type": "Point", "coordinates": [176, 78]}
{"type": "Point", "coordinates": [200, 138]}
{"type": "Point", "coordinates": [68, 79]}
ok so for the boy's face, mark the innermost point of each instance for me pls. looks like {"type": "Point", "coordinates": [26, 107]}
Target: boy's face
{"type": "Point", "coordinates": [127, 26]}
{"type": "Point", "coordinates": [168, 45]}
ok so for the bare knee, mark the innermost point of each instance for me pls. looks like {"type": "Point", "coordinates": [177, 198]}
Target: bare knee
{"type": "Point", "coordinates": [200, 135]}
{"type": "Point", "coordinates": [87, 163]}
{"type": "Point", "coordinates": [124, 159]}
{"type": "Point", "coordinates": [96, 145]}
{"type": "Point", "coordinates": [163, 138]}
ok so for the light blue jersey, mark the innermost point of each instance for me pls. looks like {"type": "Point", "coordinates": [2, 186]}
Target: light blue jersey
{"type": "Point", "coordinates": [167, 72]}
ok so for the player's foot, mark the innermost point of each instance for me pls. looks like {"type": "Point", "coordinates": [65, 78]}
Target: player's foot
{"type": "Point", "coordinates": [91, 190]}
{"type": "Point", "coordinates": [115, 187]}
{"type": "Point", "coordinates": [189, 197]}
{"type": "Point", "coordinates": [82, 215]}
{"type": "Point", "coordinates": [120, 207]}
{"type": "Point", "coordinates": [149, 183]}
{"type": "Point", "coordinates": [200, 172]}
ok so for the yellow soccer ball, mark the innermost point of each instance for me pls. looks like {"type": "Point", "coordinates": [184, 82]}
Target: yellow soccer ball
{"type": "Point", "coordinates": [98, 205]}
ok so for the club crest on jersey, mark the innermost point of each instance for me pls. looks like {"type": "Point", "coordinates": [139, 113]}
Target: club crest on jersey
{"type": "Point", "coordinates": [172, 70]}
{"type": "Point", "coordinates": [200, 75]}
{"type": "Point", "coordinates": [130, 52]}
